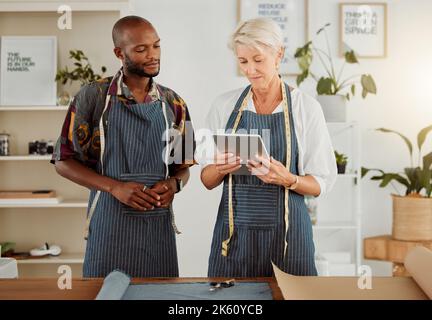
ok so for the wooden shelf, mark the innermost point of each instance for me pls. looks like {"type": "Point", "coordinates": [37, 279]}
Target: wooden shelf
{"type": "Point", "coordinates": [52, 6]}
{"type": "Point", "coordinates": [385, 248]}
{"type": "Point", "coordinates": [64, 258]}
{"type": "Point", "coordinates": [49, 117]}
{"type": "Point", "coordinates": [62, 204]}
{"type": "Point", "coordinates": [34, 108]}
{"type": "Point", "coordinates": [26, 158]}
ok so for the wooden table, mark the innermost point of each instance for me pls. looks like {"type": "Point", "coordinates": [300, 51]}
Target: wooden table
{"type": "Point", "coordinates": [385, 248]}
{"type": "Point", "coordinates": [87, 289]}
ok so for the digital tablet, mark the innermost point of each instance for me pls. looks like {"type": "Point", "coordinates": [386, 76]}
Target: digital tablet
{"type": "Point", "coordinates": [246, 146]}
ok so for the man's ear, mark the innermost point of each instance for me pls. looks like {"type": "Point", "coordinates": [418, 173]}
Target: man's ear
{"type": "Point", "coordinates": [119, 53]}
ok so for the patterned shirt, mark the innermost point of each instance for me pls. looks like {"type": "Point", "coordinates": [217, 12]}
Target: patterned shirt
{"type": "Point", "coordinates": [80, 134]}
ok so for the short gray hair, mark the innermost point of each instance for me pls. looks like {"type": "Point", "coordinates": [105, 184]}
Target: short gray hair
{"type": "Point", "coordinates": [257, 32]}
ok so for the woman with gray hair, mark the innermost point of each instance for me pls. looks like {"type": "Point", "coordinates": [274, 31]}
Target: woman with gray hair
{"type": "Point", "coordinates": [262, 217]}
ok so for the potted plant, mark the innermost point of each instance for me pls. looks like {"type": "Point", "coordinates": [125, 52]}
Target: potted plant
{"type": "Point", "coordinates": [412, 212]}
{"type": "Point", "coordinates": [333, 90]}
{"type": "Point", "coordinates": [6, 249]}
{"type": "Point", "coordinates": [83, 73]}
{"type": "Point", "coordinates": [341, 162]}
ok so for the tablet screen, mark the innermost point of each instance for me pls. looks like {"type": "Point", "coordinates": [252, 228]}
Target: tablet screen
{"type": "Point", "coordinates": [246, 146]}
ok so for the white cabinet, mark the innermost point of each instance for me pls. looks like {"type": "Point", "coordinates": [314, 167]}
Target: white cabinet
{"type": "Point", "coordinates": [28, 225]}
{"type": "Point", "coordinates": [337, 232]}
{"type": "Point", "coordinates": [31, 225]}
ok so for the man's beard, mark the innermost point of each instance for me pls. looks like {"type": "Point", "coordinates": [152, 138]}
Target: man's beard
{"type": "Point", "coordinates": [138, 70]}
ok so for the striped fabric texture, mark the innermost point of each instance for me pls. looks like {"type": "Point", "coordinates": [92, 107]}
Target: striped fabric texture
{"type": "Point", "coordinates": [141, 244]}
{"type": "Point", "coordinates": [259, 212]}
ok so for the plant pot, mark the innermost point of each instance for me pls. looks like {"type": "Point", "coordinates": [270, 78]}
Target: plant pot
{"type": "Point", "coordinates": [341, 168]}
{"type": "Point", "coordinates": [334, 107]}
{"type": "Point", "coordinates": [412, 218]}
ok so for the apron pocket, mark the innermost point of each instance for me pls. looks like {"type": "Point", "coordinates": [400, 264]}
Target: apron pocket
{"type": "Point", "coordinates": [254, 206]}
{"type": "Point", "coordinates": [148, 179]}
{"type": "Point", "coordinates": [156, 212]}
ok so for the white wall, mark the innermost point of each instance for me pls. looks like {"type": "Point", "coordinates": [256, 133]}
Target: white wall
{"type": "Point", "coordinates": [198, 65]}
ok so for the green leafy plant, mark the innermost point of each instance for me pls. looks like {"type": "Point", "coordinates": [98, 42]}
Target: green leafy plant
{"type": "Point", "coordinates": [6, 247]}
{"type": "Point", "coordinates": [331, 84]}
{"type": "Point", "coordinates": [415, 179]}
{"type": "Point", "coordinates": [341, 158]}
{"type": "Point", "coordinates": [83, 71]}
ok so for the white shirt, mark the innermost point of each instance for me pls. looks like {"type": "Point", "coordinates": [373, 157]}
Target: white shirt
{"type": "Point", "coordinates": [316, 154]}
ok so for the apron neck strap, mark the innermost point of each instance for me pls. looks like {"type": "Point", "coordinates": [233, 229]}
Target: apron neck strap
{"type": "Point", "coordinates": [238, 110]}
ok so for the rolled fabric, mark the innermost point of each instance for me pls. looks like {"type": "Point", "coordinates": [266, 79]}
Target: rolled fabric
{"type": "Point", "coordinates": [418, 262]}
{"type": "Point", "coordinates": [114, 286]}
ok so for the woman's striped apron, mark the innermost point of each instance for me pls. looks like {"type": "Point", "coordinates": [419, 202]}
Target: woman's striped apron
{"type": "Point", "coordinates": [263, 230]}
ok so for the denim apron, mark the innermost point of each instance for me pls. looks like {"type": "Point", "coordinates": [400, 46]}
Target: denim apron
{"type": "Point", "coordinates": [261, 232]}
{"type": "Point", "coordinates": [141, 244]}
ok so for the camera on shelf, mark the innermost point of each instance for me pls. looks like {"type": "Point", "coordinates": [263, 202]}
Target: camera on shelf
{"type": "Point", "coordinates": [41, 147]}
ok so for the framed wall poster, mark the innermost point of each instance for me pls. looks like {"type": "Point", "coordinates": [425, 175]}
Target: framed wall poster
{"type": "Point", "coordinates": [292, 16]}
{"type": "Point", "coordinates": [363, 28]}
{"type": "Point", "coordinates": [28, 66]}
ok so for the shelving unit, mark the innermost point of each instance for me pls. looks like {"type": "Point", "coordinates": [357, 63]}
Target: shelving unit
{"type": "Point", "coordinates": [63, 223]}
{"type": "Point", "coordinates": [75, 258]}
{"type": "Point", "coordinates": [338, 227]}
{"type": "Point", "coordinates": [26, 158]}
{"type": "Point", "coordinates": [53, 6]}
{"type": "Point", "coordinates": [35, 108]}
{"type": "Point", "coordinates": [62, 204]}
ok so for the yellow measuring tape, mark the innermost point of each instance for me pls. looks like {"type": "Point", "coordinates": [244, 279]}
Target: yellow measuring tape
{"type": "Point", "coordinates": [225, 243]}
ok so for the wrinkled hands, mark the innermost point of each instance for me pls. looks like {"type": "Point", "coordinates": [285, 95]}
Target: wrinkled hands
{"type": "Point", "coordinates": [271, 171]}
{"type": "Point", "coordinates": [226, 163]}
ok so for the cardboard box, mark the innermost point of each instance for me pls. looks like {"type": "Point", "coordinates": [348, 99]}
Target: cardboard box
{"type": "Point", "coordinates": [418, 262]}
